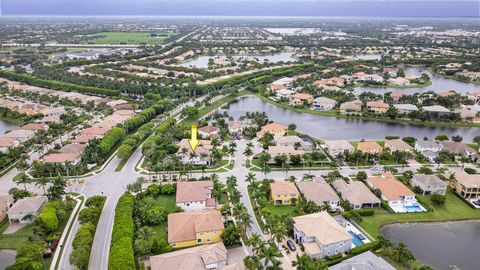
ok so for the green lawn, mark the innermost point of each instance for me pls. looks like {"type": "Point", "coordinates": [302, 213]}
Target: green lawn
{"type": "Point", "coordinates": [131, 37]}
{"type": "Point", "coordinates": [167, 202]}
{"type": "Point", "coordinates": [282, 209]}
{"type": "Point", "coordinates": [15, 240]}
{"type": "Point", "coordinates": [454, 209]}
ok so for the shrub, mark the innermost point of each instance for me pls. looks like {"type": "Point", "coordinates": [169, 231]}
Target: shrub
{"type": "Point", "coordinates": [365, 247]}
{"type": "Point", "coordinates": [84, 236]}
{"type": "Point", "coordinates": [89, 214]}
{"type": "Point", "coordinates": [121, 248]}
{"type": "Point", "coordinates": [365, 212]}
{"type": "Point", "coordinates": [438, 199]}
{"type": "Point", "coordinates": [95, 201]}
{"type": "Point", "coordinates": [470, 170]}
{"type": "Point", "coordinates": [110, 140]}
{"type": "Point", "coordinates": [48, 217]}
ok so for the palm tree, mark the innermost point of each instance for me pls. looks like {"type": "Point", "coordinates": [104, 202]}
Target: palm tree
{"type": "Point", "coordinates": [250, 178]}
{"type": "Point", "coordinates": [279, 231]}
{"type": "Point", "coordinates": [256, 243]}
{"type": "Point", "coordinates": [23, 180]}
{"type": "Point", "coordinates": [308, 160]}
{"type": "Point", "coordinates": [43, 183]}
{"type": "Point", "coordinates": [145, 233]}
{"type": "Point", "coordinates": [269, 254]}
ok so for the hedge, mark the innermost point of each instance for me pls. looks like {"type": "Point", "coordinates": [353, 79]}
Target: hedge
{"type": "Point", "coordinates": [121, 245]}
{"type": "Point", "coordinates": [114, 136]}
{"type": "Point", "coordinates": [354, 251]}
{"type": "Point", "coordinates": [48, 217]}
{"type": "Point", "coordinates": [56, 85]}
{"type": "Point", "coordinates": [82, 243]}
{"type": "Point", "coordinates": [365, 212]}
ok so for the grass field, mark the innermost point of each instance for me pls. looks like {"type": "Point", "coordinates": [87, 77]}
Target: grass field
{"type": "Point", "coordinates": [168, 203]}
{"type": "Point", "coordinates": [131, 38]}
{"type": "Point", "coordinates": [454, 209]}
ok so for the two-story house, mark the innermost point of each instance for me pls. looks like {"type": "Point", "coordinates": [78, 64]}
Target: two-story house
{"type": "Point", "coordinates": [429, 184]}
{"type": "Point", "coordinates": [283, 192]}
{"type": "Point", "coordinates": [321, 235]}
{"type": "Point", "coordinates": [186, 229]}
{"type": "Point", "coordinates": [195, 195]}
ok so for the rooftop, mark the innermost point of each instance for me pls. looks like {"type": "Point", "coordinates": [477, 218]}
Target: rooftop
{"type": "Point", "coordinates": [183, 226]}
{"type": "Point", "coordinates": [321, 226]}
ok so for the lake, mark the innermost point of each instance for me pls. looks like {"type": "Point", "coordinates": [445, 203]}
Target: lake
{"type": "Point", "coordinates": [4, 126]}
{"type": "Point", "coordinates": [332, 128]}
{"type": "Point", "coordinates": [439, 84]}
{"type": "Point", "coordinates": [440, 244]}
{"type": "Point", "coordinates": [202, 61]}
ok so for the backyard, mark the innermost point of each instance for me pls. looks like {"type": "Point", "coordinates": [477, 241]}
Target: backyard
{"type": "Point", "coordinates": [454, 209]}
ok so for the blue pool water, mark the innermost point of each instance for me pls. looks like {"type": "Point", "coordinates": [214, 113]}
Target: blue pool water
{"type": "Point", "coordinates": [356, 241]}
{"type": "Point", "coordinates": [413, 208]}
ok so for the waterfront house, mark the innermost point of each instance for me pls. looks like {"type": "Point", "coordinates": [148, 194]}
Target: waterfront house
{"type": "Point", "coordinates": [19, 135]}
{"type": "Point", "coordinates": [284, 93]}
{"type": "Point", "coordinates": [432, 146]}
{"type": "Point", "coordinates": [205, 257]}
{"type": "Point", "coordinates": [405, 108]}
{"type": "Point", "coordinates": [6, 143]}
{"type": "Point", "coordinates": [299, 99]}
{"type": "Point", "coordinates": [274, 129]}
{"type": "Point", "coordinates": [320, 192]}
{"type": "Point", "coordinates": [321, 235]}
{"type": "Point", "coordinates": [336, 147]}
{"type": "Point", "coordinates": [396, 96]}
{"type": "Point", "coordinates": [34, 127]}
{"type": "Point", "coordinates": [399, 197]}
{"type": "Point", "coordinates": [458, 148]}
{"type": "Point", "coordinates": [196, 195]}
{"type": "Point", "coordinates": [399, 81]}
{"type": "Point", "coordinates": [363, 261]}
{"type": "Point", "coordinates": [26, 207]}
{"type": "Point", "coordinates": [398, 145]}
{"type": "Point", "coordinates": [468, 115]}
{"type": "Point", "coordinates": [283, 83]}
{"type": "Point", "coordinates": [369, 147]}
{"type": "Point", "coordinates": [436, 111]}
{"type": "Point", "coordinates": [294, 141]}
{"type": "Point", "coordinates": [283, 192]}
{"type": "Point", "coordinates": [429, 184]}
{"type": "Point", "coordinates": [466, 185]}
{"type": "Point", "coordinates": [324, 104]}
{"type": "Point", "coordinates": [187, 229]}
{"type": "Point", "coordinates": [356, 194]}
{"type": "Point", "coordinates": [351, 107]}
{"type": "Point", "coordinates": [377, 107]}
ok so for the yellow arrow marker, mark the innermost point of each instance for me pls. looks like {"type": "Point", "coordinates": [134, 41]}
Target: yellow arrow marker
{"type": "Point", "coordinates": [194, 141]}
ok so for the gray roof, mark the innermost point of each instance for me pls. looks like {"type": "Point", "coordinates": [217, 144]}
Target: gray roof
{"type": "Point", "coordinates": [364, 261]}
{"type": "Point", "coordinates": [318, 191]}
{"type": "Point", "coordinates": [409, 107]}
{"type": "Point", "coordinates": [28, 205]}
{"type": "Point", "coordinates": [428, 180]}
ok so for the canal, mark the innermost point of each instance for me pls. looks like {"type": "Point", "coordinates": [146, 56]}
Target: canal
{"type": "Point", "coordinates": [5, 126]}
{"type": "Point", "coordinates": [332, 128]}
{"type": "Point", "coordinates": [440, 245]}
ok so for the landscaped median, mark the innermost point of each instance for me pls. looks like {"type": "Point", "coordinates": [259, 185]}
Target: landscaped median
{"type": "Point", "coordinates": [82, 243]}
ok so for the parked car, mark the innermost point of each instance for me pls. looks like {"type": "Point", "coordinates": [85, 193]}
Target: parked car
{"type": "Point", "coordinates": [291, 245]}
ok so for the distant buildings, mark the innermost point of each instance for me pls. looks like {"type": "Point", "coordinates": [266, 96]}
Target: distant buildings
{"type": "Point", "coordinates": [323, 104]}
{"type": "Point", "coordinates": [334, 148]}
{"type": "Point", "coordinates": [371, 148]}
{"type": "Point", "coordinates": [201, 156]}
{"type": "Point", "coordinates": [272, 128]}
{"type": "Point", "coordinates": [398, 145]}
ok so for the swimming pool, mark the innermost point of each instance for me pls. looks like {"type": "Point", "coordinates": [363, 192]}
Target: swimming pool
{"type": "Point", "coordinates": [356, 240]}
{"type": "Point", "coordinates": [413, 208]}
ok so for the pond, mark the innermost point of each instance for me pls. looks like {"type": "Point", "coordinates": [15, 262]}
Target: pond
{"type": "Point", "coordinates": [202, 61]}
{"type": "Point", "coordinates": [440, 245]}
{"type": "Point", "coordinates": [332, 128]}
{"type": "Point", "coordinates": [439, 84]}
{"type": "Point", "coordinates": [5, 126]}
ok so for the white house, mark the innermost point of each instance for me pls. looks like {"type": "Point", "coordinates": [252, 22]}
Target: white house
{"type": "Point", "coordinates": [323, 104]}
{"type": "Point", "coordinates": [29, 206]}
{"type": "Point", "coordinates": [196, 195]}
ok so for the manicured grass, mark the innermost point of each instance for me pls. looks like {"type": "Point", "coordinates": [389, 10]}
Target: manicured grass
{"type": "Point", "coordinates": [131, 38]}
{"type": "Point", "coordinates": [160, 232]}
{"type": "Point", "coordinates": [282, 209]}
{"type": "Point", "coordinates": [15, 240]}
{"type": "Point", "coordinates": [454, 209]}
{"type": "Point", "coordinates": [167, 202]}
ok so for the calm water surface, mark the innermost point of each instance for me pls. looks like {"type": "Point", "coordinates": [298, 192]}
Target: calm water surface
{"type": "Point", "coordinates": [4, 126]}
{"type": "Point", "coordinates": [439, 84]}
{"type": "Point", "coordinates": [440, 245]}
{"type": "Point", "coordinates": [331, 128]}
{"type": "Point", "coordinates": [202, 61]}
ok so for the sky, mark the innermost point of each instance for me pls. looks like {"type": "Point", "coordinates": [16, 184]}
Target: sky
{"type": "Point", "coordinates": [370, 8]}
